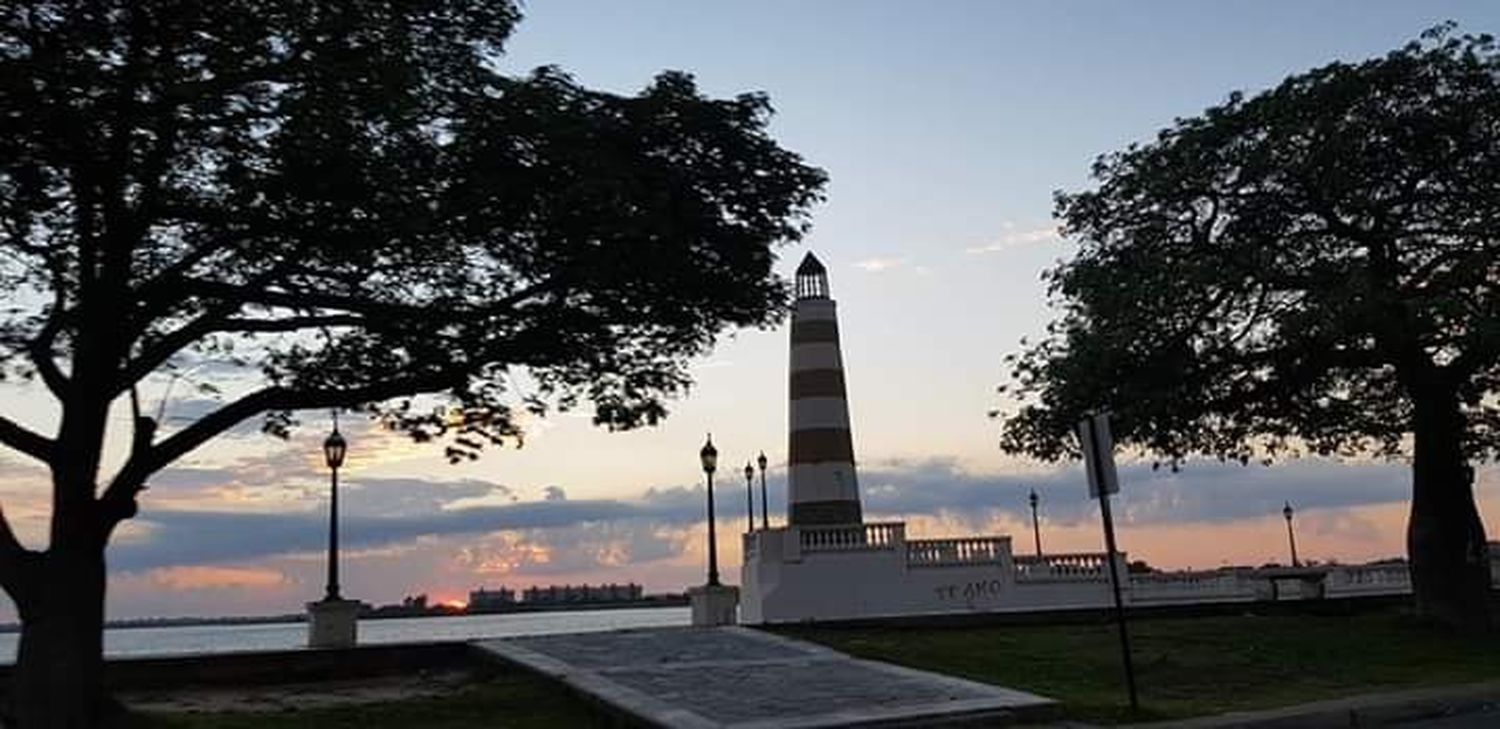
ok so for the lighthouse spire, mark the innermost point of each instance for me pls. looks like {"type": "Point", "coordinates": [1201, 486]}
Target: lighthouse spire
{"type": "Point", "coordinates": [822, 486]}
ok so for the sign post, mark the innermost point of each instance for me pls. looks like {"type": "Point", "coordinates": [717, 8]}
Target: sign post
{"type": "Point", "coordinates": [1099, 460]}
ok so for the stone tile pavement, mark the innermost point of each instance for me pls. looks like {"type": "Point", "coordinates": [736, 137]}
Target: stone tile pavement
{"type": "Point", "coordinates": [696, 678]}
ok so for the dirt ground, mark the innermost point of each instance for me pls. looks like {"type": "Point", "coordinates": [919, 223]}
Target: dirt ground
{"type": "Point", "coordinates": [296, 696]}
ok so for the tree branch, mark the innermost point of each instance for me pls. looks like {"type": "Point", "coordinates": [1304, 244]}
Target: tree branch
{"type": "Point", "coordinates": [118, 501]}
{"type": "Point", "coordinates": [168, 279]}
{"type": "Point", "coordinates": [208, 322]}
{"type": "Point", "coordinates": [16, 566]}
{"type": "Point", "coordinates": [306, 299]}
{"type": "Point", "coordinates": [15, 436]}
{"type": "Point", "coordinates": [161, 350]}
{"type": "Point", "coordinates": [291, 323]}
{"type": "Point", "coordinates": [40, 349]}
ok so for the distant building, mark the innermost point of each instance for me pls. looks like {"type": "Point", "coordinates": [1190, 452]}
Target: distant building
{"type": "Point", "coordinates": [567, 594]}
{"type": "Point", "coordinates": [411, 606]}
{"type": "Point", "coordinates": [482, 599]}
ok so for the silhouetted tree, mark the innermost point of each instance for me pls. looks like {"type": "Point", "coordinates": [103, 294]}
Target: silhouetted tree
{"type": "Point", "coordinates": [1313, 269]}
{"type": "Point", "coordinates": [345, 203]}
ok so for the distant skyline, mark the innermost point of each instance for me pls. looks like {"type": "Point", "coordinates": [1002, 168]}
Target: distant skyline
{"type": "Point", "coordinates": [945, 129]}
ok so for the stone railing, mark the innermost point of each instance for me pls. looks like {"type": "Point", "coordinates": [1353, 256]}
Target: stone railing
{"type": "Point", "coordinates": [1084, 566]}
{"type": "Point", "coordinates": [852, 537]}
{"type": "Point", "coordinates": [1368, 578]}
{"type": "Point", "coordinates": [954, 552]}
{"type": "Point", "coordinates": [1190, 587]}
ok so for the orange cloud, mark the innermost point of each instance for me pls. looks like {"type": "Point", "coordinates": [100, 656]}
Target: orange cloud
{"type": "Point", "coordinates": [208, 577]}
{"type": "Point", "coordinates": [502, 554]}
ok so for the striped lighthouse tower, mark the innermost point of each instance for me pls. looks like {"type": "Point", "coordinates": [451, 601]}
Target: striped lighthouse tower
{"type": "Point", "coordinates": [821, 487]}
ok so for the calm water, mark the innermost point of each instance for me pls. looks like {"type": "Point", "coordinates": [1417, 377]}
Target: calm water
{"type": "Point", "coordinates": [280, 636]}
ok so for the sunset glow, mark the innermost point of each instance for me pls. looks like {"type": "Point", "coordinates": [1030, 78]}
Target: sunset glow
{"type": "Point", "coordinates": [937, 228]}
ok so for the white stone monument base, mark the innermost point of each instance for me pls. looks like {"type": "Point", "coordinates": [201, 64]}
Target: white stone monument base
{"type": "Point", "coordinates": [714, 605]}
{"type": "Point", "coordinates": [332, 623]}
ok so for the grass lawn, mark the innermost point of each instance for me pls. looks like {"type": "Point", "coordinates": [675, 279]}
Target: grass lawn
{"type": "Point", "coordinates": [517, 700]}
{"type": "Point", "coordinates": [1184, 667]}
{"type": "Point", "coordinates": [1188, 666]}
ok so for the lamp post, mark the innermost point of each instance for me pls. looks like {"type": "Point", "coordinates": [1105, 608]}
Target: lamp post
{"type": "Point", "coordinates": [1036, 526]}
{"type": "Point", "coordinates": [1291, 537]}
{"type": "Point", "coordinates": [709, 458]}
{"type": "Point", "coordinates": [749, 498]}
{"type": "Point", "coordinates": [334, 448]}
{"type": "Point", "coordinates": [765, 504]}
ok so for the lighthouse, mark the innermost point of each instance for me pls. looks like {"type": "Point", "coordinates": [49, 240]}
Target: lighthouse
{"type": "Point", "coordinates": [822, 488]}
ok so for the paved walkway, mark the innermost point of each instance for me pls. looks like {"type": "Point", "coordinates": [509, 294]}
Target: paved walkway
{"type": "Point", "coordinates": [696, 678]}
{"type": "Point", "coordinates": [1460, 706]}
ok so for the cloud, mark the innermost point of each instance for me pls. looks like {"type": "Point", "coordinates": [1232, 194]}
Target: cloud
{"type": "Point", "coordinates": [1012, 237]}
{"type": "Point", "coordinates": [387, 512]}
{"type": "Point", "coordinates": [395, 497]}
{"type": "Point", "coordinates": [877, 265]}
{"type": "Point", "coordinates": [504, 554]}
{"type": "Point", "coordinates": [573, 549]}
{"type": "Point", "coordinates": [1200, 492]}
{"type": "Point", "coordinates": [205, 577]}
{"type": "Point", "coordinates": [206, 537]}
{"type": "Point", "coordinates": [18, 468]}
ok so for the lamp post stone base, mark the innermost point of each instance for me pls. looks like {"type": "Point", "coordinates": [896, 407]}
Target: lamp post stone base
{"type": "Point", "coordinates": [332, 623]}
{"type": "Point", "coordinates": [714, 605]}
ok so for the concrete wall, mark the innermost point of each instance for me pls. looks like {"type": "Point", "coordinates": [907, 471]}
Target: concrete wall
{"type": "Point", "coordinates": [872, 570]}
{"type": "Point", "coordinates": [798, 574]}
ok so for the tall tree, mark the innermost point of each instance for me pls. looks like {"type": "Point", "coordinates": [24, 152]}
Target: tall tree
{"type": "Point", "coordinates": [345, 201]}
{"type": "Point", "coordinates": [1310, 270]}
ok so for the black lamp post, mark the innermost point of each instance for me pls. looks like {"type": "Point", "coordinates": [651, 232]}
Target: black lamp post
{"type": "Point", "coordinates": [1036, 526]}
{"type": "Point", "coordinates": [709, 457]}
{"type": "Point", "coordinates": [334, 448]}
{"type": "Point", "coordinates": [749, 498]}
{"type": "Point", "coordinates": [1291, 536]}
{"type": "Point", "coordinates": [765, 504]}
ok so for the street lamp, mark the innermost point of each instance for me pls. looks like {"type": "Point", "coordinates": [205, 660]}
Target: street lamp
{"type": "Point", "coordinates": [1291, 537]}
{"type": "Point", "coordinates": [709, 457]}
{"type": "Point", "coordinates": [334, 449]}
{"type": "Point", "coordinates": [765, 504]}
{"type": "Point", "coordinates": [749, 498]}
{"type": "Point", "coordinates": [1036, 526]}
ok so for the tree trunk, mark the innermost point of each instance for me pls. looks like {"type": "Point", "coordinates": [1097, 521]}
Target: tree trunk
{"type": "Point", "coordinates": [1445, 538]}
{"type": "Point", "coordinates": [59, 676]}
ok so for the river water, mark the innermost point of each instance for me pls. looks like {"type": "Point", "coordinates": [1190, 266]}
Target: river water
{"type": "Point", "coordinates": [199, 639]}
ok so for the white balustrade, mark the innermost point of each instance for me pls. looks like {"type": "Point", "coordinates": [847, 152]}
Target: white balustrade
{"type": "Point", "coordinates": [1082, 566]}
{"type": "Point", "coordinates": [853, 537]}
{"type": "Point", "coordinates": [1393, 577]}
{"type": "Point", "coordinates": [956, 552]}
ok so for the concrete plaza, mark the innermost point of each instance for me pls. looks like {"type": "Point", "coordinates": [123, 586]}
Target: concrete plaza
{"type": "Point", "coordinates": [742, 678]}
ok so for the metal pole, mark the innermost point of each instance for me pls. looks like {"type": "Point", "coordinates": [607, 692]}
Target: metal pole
{"type": "Point", "coordinates": [749, 500]}
{"type": "Point", "coordinates": [765, 504]}
{"type": "Point", "coordinates": [1291, 539]}
{"type": "Point", "coordinates": [333, 540]}
{"type": "Point", "coordinates": [1114, 572]}
{"type": "Point", "coordinates": [713, 549]}
{"type": "Point", "coordinates": [1036, 526]}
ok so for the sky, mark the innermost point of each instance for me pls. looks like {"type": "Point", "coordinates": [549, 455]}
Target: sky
{"type": "Point", "coordinates": [945, 128]}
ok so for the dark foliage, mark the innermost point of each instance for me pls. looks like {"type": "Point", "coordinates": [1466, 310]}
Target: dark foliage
{"type": "Point", "coordinates": [1311, 269]}
{"type": "Point", "coordinates": [343, 205]}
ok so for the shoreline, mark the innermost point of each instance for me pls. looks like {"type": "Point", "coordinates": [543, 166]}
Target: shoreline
{"type": "Point", "coordinates": [293, 618]}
